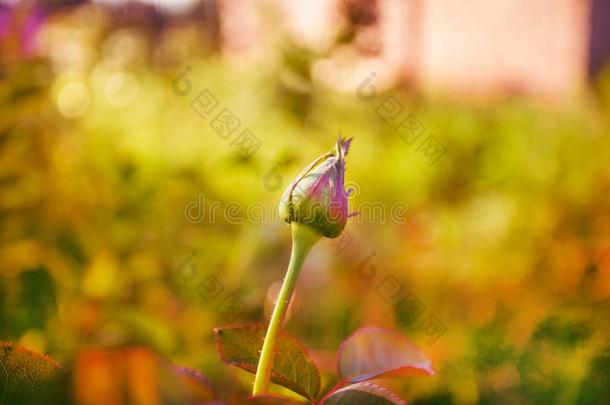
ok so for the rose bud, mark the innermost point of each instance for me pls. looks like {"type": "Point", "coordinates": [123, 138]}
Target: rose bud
{"type": "Point", "coordinates": [317, 196]}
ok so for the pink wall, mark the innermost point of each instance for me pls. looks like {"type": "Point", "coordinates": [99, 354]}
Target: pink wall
{"type": "Point", "coordinates": [535, 46]}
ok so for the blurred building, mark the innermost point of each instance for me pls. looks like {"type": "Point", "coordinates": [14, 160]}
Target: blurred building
{"type": "Point", "coordinates": [542, 47]}
{"type": "Point", "coordinates": [548, 48]}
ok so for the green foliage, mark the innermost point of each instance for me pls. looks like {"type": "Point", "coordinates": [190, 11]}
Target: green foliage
{"type": "Point", "coordinates": [595, 388]}
{"type": "Point", "coordinates": [562, 331]}
{"type": "Point", "coordinates": [36, 299]}
{"type": "Point", "coordinates": [32, 301]}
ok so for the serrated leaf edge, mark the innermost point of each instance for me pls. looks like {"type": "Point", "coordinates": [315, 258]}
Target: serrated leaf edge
{"type": "Point", "coordinates": [284, 380]}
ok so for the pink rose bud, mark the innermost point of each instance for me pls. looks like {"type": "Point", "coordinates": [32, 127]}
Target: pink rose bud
{"type": "Point", "coordinates": [317, 196]}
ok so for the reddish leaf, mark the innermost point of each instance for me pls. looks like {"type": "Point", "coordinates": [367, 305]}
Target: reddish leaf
{"type": "Point", "coordinates": [24, 373]}
{"type": "Point", "coordinates": [200, 388]}
{"type": "Point", "coordinates": [363, 393]}
{"type": "Point", "coordinates": [292, 366]}
{"type": "Point", "coordinates": [374, 352]}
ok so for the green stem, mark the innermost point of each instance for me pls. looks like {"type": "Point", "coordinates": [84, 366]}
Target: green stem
{"type": "Point", "coordinates": [303, 239]}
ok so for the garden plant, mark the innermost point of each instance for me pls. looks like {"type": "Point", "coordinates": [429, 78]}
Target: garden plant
{"type": "Point", "coordinates": [315, 205]}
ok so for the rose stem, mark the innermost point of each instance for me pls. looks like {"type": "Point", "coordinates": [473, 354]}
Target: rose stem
{"type": "Point", "coordinates": [303, 239]}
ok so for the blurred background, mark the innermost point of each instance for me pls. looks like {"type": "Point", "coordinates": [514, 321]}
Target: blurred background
{"type": "Point", "coordinates": [144, 146]}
